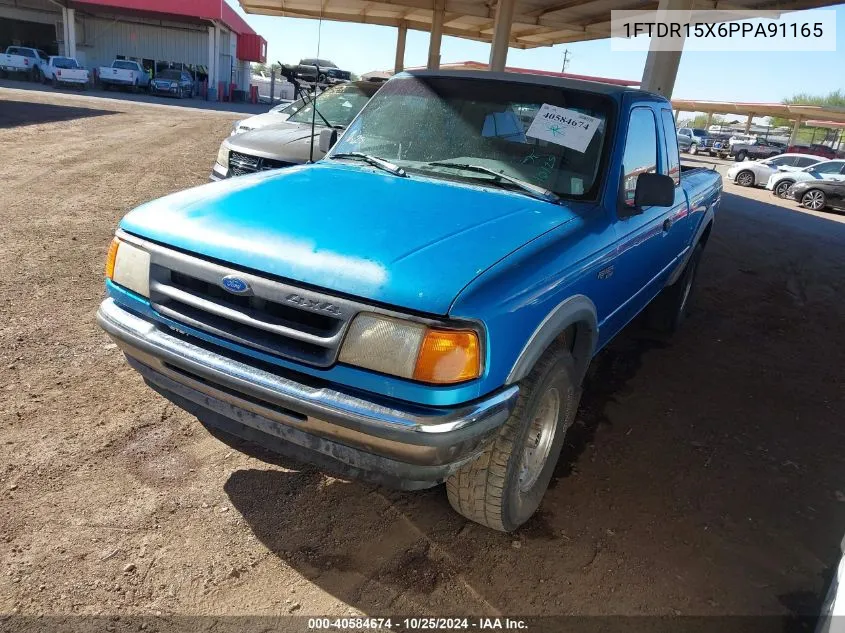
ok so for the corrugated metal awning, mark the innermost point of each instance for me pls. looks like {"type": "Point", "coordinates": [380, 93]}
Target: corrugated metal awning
{"type": "Point", "coordinates": [536, 22]}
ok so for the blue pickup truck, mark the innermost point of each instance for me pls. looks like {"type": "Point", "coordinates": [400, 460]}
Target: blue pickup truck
{"type": "Point", "coordinates": [421, 305]}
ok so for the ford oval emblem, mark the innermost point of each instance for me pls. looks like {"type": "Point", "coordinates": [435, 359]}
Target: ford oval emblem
{"type": "Point", "coordinates": [235, 285]}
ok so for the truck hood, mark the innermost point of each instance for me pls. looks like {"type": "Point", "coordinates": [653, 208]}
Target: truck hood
{"type": "Point", "coordinates": [412, 243]}
{"type": "Point", "coordinates": [275, 141]}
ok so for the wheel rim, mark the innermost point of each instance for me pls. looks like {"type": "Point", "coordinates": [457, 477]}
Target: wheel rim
{"type": "Point", "coordinates": [693, 148]}
{"type": "Point", "coordinates": [781, 189]}
{"type": "Point", "coordinates": [539, 441]}
{"type": "Point", "coordinates": [744, 179]}
{"type": "Point", "coordinates": [813, 200]}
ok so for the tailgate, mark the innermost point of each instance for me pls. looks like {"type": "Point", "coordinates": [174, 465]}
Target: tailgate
{"type": "Point", "coordinates": [67, 74]}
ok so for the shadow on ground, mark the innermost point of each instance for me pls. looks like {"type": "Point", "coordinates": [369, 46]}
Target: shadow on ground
{"type": "Point", "coordinates": [19, 113]}
{"type": "Point", "coordinates": [703, 475]}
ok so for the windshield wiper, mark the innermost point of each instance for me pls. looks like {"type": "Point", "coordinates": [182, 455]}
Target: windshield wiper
{"type": "Point", "coordinates": [396, 170]}
{"type": "Point", "coordinates": [313, 104]}
{"type": "Point", "coordinates": [533, 190]}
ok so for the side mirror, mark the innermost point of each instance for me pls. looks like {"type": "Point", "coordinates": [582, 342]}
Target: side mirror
{"type": "Point", "coordinates": [327, 140]}
{"type": "Point", "coordinates": [654, 190]}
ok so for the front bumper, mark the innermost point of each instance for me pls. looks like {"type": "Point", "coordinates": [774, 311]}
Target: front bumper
{"type": "Point", "coordinates": [378, 439]}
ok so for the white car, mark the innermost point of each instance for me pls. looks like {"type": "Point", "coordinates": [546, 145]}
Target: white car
{"type": "Point", "coordinates": [779, 183]}
{"type": "Point", "coordinates": [757, 173]}
{"type": "Point", "coordinates": [64, 70]}
{"type": "Point", "coordinates": [276, 114]}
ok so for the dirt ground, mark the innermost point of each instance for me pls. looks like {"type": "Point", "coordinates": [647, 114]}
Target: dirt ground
{"type": "Point", "coordinates": [704, 476]}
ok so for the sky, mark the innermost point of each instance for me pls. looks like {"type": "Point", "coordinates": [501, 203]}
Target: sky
{"type": "Point", "coordinates": [721, 76]}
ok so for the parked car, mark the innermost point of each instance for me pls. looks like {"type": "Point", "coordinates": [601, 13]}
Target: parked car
{"type": "Point", "coordinates": [684, 142]}
{"type": "Point", "coordinates": [779, 183]}
{"type": "Point", "coordinates": [760, 148]}
{"type": "Point", "coordinates": [123, 73]}
{"type": "Point", "coordinates": [289, 143]}
{"type": "Point", "coordinates": [697, 136]}
{"type": "Point", "coordinates": [277, 114]}
{"type": "Point", "coordinates": [320, 71]}
{"type": "Point", "coordinates": [818, 194]}
{"type": "Point", "coordinates": [421, 305]}
{"type": "Point", "coordinates": [176, 83]}
{"type": "Point", "coordinates": [817, 149]}
{"type": "Point", "coordinates": [22, 60]}
{"type": "Point", "coordinates": [757, 173]}
{"type": "Point", "coordinates": [64, 71]}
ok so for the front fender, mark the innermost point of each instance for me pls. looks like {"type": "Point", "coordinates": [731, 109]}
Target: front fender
{"type": "Point", "coordinates": [574, 310]}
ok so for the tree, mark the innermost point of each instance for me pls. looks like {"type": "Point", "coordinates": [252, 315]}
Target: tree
{"type": "Point", "coordinates": [835, 99]}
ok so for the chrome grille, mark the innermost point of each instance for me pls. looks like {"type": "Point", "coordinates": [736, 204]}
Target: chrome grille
{"type": "Point", "coordinates": [273, 317]}
{"type": "Point", "coordinates": [240, 164]}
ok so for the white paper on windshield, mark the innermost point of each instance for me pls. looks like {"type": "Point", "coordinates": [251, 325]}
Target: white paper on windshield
{"type": "Point", "coordinates": [563, 127]}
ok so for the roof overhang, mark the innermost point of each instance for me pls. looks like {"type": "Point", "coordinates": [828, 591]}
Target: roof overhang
{"type": "Point", "coordinates": [535, 23]}
{"type": "Point", "coordinates": [780, 110]}
{"type": "Point", "coordinates": [193, 11]}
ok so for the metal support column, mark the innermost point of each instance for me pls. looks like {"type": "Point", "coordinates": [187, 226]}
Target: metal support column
{"type": "Point", "coordinates": [213, 57]}
{"type": "Point", "coordinates": [793, 138]}
{"type": "Point", "coordinates": [438, 12]}
{"type": "Point", "coordinates": [661, 66]}
{"type": "Point", "coordinates": [399, 64]}
{"type": "Point", "coordinates": [69, 31]}
{"type": "Point", "coordinates": [501, 35]}
{"type": "Point", "coordinates": [748, 123]}
{"type": "Point", "coordinates": [709, 122]}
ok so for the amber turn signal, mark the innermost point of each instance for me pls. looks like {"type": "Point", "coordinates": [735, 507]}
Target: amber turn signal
{"type": "Point", "coordinates": [448, 356]}
{"type": "Point", "coordinates": [112, 255]}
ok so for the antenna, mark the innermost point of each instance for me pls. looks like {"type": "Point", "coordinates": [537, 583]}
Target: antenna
{"type": "Point", "coordinates": [316, 81]}
{"type": "Point", "coordinates": [565, 60]}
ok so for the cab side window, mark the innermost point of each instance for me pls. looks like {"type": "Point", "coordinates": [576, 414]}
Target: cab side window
{"type": "Point", "coordinates": [640, 151]}
{"type": "Point", "coordinates": [673, 159]}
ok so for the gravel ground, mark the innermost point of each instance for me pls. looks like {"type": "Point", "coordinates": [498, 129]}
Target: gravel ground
{"type": "Point", "coordinates": [704, 476]}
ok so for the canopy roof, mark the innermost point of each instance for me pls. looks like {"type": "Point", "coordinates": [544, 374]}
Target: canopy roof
{"type": "Point", "coordinates": [781, 110]}
{"type": "Point", "coordinates": [536, 22]}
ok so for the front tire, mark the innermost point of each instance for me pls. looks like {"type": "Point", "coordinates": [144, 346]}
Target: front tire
{"type": "Point", "coordinates": [814, 199]}
{"type": "Point", "coordinates": [693, 149]}
{"type": "Point", "coordinates": [502, 488]}
{"type": "Point", "coordinates": [745, 178]}
{"type": "Point", "coordinates": [782, 187]}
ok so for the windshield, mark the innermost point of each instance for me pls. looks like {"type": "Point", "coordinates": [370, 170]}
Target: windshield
{"type": "Point", "coordinates": [169, 74]}
{"type": "Point", "coordinates": [697, 131]}
{"type": "Point", "coordinates": [23, 52]}
{"type": "Point", "coordinates": [338, 106]}
{"type": "Point", "coordinates": [124, 65]}
{"type": "Point", "coordinates": [288, 108]}
{"type": "Point", "coordinates": [64, 62]}
{"type": "Point", "coordinates": [551, 137]}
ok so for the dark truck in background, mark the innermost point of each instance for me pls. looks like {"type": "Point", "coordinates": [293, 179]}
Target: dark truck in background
{"type": "Point", "coordinates": [321, 71]}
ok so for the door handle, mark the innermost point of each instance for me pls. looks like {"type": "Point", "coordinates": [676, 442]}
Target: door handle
{"type": "Point", "coordinates": [667, 224]}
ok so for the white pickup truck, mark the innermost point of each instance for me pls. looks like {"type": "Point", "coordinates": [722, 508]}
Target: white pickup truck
{"type": "Point", "coordinates": [123, 73]}
{"type": "Point", "coordinates": [23, 60]}
{"type": "Point", "coordinates": [65, 70]}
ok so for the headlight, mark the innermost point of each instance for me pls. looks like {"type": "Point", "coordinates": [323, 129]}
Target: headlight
{"type": "Point", "coordinates": [223, 156]}
{"type": "Point", "coordinates": [129, 266]}
{"type": "Point", "coordinates": [412, 350]}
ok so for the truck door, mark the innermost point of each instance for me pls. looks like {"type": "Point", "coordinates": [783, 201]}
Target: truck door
{"type": "Point", "coordinates": [645, 247]}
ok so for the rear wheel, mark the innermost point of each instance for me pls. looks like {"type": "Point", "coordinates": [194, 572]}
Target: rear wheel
{"type": "Point", "coordinates": [502, 488]}
{"type": "Point", "coordinates": [782, 187]}
{"type": "Point", "coordinates": [814, 199]}
{"type": "Point", "coordinates": [741, 156]}
{"type": "Point", "coordinates": [55, 82]}
{"type": "Point", "coordinates": [745, 178]}
{"type": "Point", "coordinates": [669, 309]}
